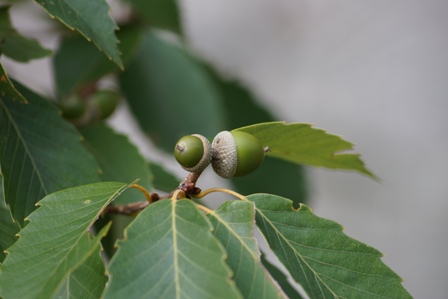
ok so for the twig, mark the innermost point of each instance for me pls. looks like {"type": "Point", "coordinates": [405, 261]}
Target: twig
{"type": "Point", "coordinates": [129, 209]}
{"type": "Point", "coordinates": [187, 186]}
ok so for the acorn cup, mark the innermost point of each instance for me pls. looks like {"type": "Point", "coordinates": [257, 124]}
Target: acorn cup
{"type": "Point", "coordinates": [231, 154]}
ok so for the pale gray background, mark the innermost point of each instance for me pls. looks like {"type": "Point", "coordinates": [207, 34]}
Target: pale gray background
{"type": "Point", "coordinates": [375, 72]}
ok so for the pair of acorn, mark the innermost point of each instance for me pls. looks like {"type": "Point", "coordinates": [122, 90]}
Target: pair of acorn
{"type": "Point", "coordinates": [235, 153]}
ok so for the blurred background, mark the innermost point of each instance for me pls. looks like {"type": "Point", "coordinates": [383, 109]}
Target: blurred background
{"type": "Point", "coordinates": [375, 72]}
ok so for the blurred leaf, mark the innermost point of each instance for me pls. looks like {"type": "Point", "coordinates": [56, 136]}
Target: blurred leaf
{"type": "Point", "coordinates": [159, 13]}
{"type": "Point", "coordinates": [280, 278]}
{"type": "Point", "coordinates": [86, 63]}
{"type": "Point", "coordinates": [118, 158]}
{"type": "Point", "coordinates": [240, 105]}
{"type": "Point", "coordinates": [56, 241]}
{"type": "Point", "coordinates": [170, 94]}
{"type": "Point", "coordinates": [303, 144]}
{"type": "Point", "coordinates": [91, 19]}
{"type": "Point", "coordinates": [234, 226]}
{"type": "Point", "coordinates": [8, 229]}
{"type": "Point", "coordinates": [39, 153]}
{"type": "Point", "coordinates": [7, 88]}
{"type": "Point", "coordinates": [162, 179]}
{"type": "Point", "coordinates": [275, 176]}
{"type": "Point", "coordinates": [14, 45]}
{"type": "Point", "coordinates": [320, 257]}
{"type": "Point", "coordinates": [87, 281]}
{"type": "Point", "coordinates": [170, 252]}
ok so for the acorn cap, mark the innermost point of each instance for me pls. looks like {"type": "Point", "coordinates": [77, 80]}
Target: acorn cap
{"type": "Point", "coordinates": [192, 155]}
{"type": "Point", "coordinates": [225, 157]}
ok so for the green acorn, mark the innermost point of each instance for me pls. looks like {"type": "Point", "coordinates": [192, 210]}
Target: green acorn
{"type": "Point", "coordinates": [193, 152]}
{"type": "Point", "coordinates": [231, 154]}
{"type": "Point", "coordinates": [236, 153]}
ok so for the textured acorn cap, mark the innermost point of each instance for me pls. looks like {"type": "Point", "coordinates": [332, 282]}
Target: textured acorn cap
{"type": "Point", "coordinates": [225, 157]}
{"type": "Point", "coordinates": [205, 159]}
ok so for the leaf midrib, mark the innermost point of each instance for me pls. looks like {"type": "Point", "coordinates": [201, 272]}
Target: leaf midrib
{"type": "Point", "coordinates": [175, 248]}
{"type": "Point", "coordinates": [21, 138]}
{"type": "Point", "coordinates": [75, 244]}
{"type": "Point", "coordinates": [253, 254]}
{"type": "Point", "coordinates": [296, 252]}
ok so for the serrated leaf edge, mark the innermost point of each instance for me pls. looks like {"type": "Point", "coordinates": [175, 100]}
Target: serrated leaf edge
{"type": "Point", "coordinates": [103, 232]}
{"type": "Point", "coordinates": [305, 208]}
{"type": "Point", "coordinates": [255, 255]}
{"type": "Point", "coordinates": [118, 62]}
{"type": "Point", "coordinates": [5, 78]}
{"type": "Point", "coordinates": [347, 151]}
{"type": "Point", "coordinates": [174, 201]}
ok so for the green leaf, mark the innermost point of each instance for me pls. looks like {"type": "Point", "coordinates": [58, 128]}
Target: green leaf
{"type": "Point", "coordinates": [118, 158]}
{"type": "Point", "coordinates": [319, 256]}
{"type": "Point", "coordinates": [303, 144]}
{"type": "Point", "coordinates": [170, 93]}
{"type": "Point", "coordinates": [276, 176]}
{"type": "Point", "coordinates": [162, 179]}
{"type": "Point", "coordinates": [170, 252]}
{"type": "Point", "coordinates": [15, 45]}
{"type": "Point", "coordinates": [56, 241]}
{"type": "Point", "coordinates": [39, 153]}
{"type": "Point", "coordinates": [91, 19]}
{"type": "Point", "coordinates": [241, 109]}
{"type": "Point", "coordinates": [86, 282]}
{"type": "Point", "coordinates": [7, 88]}
{"type": "Point", "coordinates": [8, 229]}
{"type": "Point", "coordinates": [280, 278]}
{"type": "Point", "coordinates": [234, 225]}
{"type": "Point", "coordinates": [159, 13]}
{"type": "Point", "coordinates": [86, 63]}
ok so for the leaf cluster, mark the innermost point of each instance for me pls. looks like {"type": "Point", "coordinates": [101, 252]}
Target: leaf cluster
{"type": "Point", "coordinates": [63, 176]}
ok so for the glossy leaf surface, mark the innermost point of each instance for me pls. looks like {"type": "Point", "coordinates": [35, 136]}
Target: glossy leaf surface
{"type": "Point", "coordinates": [35, 145]}
{"type": "Point", "coordinates": [118, 159]}
{"type": "Point", "coordinates": [234, 224]}
{"type": "Point", "coordinates": [320, 257]}
{"type": "Point", "coordinates": [281, 279]}
{"type": "Point", "coordinates": [56, 241]}
{"type": "Point", "coordinates": [87, 281]}
{"type": "Point", "coordinates": [304, 144]}
{"type": "Point", "coordinates": [170, 252]}
{"type": "Point", "coordinates": [91, 19]}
